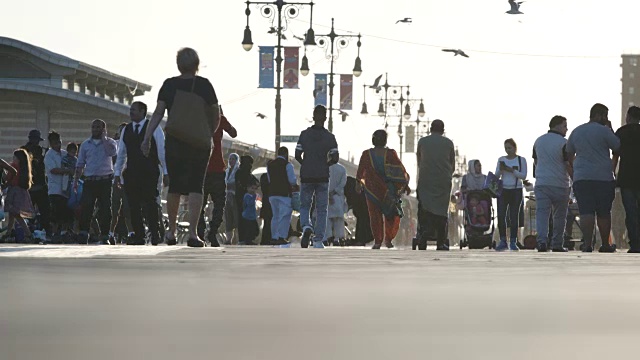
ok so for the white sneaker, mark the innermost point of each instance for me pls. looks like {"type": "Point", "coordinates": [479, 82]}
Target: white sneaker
{"type": "Point", "coordinates": [318, 245]}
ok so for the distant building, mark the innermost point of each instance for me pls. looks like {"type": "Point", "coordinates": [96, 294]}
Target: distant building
{"type": "Point", "coordinates": [43, 90]}
{"type": "Point", "coordinates": [630, 83]}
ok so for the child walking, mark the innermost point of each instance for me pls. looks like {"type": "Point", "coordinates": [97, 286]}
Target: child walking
{"type": "Point", "coordinates": [249, 218]}
{"type": "Point", "coordinates": [18, 204]}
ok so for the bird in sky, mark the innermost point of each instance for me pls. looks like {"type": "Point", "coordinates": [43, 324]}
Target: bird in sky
{"type": "Point", "coordinates": [405, 20]}
{"type": "Point", "coordinates": [343, 114]}
{"type": "Point", "coordinates": [376, 83]}
{"type": "Point", "coordinates": [298, 38]}
{"type": "Point", "coordinates": [515, 7]}
{"type": "Point", "coordinates": [456, 52]}
{"type": "Point", "coordinates": [260, 115]}
{"type": "Point", "coordinates": [272, 30]}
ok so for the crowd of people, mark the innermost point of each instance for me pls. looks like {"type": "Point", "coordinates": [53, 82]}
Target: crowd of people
{"type": "Point", "coordinates": [585, 168]}
{"type": "Point", "coordinates": [89, 187]}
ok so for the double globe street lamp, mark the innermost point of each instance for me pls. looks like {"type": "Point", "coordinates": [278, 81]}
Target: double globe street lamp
{"type": "Point", "coordinates": [280, 11]}
{"type": "Point", "coordinates": [393, 97]}
{"type": "Point", "coordinates": [332, 50]}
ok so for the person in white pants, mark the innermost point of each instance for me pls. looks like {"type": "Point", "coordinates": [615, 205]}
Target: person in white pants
{"type": "Point", "coordinates": [282, 182]}
{"type": "Point", "coordinates": [334, 234]}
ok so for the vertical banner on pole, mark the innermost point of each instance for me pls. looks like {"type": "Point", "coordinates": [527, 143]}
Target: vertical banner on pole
{"type": "Point", "coordinates": [409, 139]}
{"type": "Point", "coordinates": [291, 67]}
{"type": "Point", "coordinates": [320, 90]}
{"type": "Point", "coordinates": [346, 92]}
{"type": "Point", "coordinates": [266, 67]}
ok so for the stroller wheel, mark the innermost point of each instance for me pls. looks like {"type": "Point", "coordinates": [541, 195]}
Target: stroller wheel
{"type": "Point", "coordinates": [414, 244]}
{"type": "Point", "coordinates": [422, 245]}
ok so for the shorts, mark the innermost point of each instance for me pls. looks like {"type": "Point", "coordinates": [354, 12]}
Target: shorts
{"type": "Point", "coordinates": [60, 212]}
{"type": "Point", "coordinates": [186, 165]}
{"type": "Point", "coordinates": [595, 197]}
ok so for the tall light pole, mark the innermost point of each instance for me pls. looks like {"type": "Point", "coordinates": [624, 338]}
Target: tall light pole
{"type": "Point", "coordinates": [342, 43]}
{"type": "Point", "coordinates": [394, 98]}
{"type": "Point", "coordinates": [271, 9]}
{"type": "Point", "coordinates": [420, 131]}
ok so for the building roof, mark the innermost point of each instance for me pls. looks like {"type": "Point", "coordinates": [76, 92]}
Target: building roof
{"type": "Point", "coordinates": [79, 66]}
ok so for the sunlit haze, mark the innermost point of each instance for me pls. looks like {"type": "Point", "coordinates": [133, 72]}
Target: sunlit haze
{"type": "Point", "coordinates": [559, 57]}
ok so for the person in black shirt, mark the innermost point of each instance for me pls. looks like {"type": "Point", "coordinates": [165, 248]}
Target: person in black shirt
{"type": "Point", "coordinates": [39, 191]}
{"type": "Point", "coordinates": [266, 212]}
{"type": "Point", "coordinates": [628, 178]}
{"type": "Point", "coordinates": [194, 116]}
{"type": "Point", "coordinates": [243, 180]}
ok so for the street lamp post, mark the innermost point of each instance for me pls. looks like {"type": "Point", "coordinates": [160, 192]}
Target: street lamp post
{"type": "Point", "coordinates": [420, 131]}
{"type": "Point", "coordinates": [342, 43]}
{"type": "Point", "coordinates": [386, 101]}
{"type": "Point", "coordinates": [271, 9]}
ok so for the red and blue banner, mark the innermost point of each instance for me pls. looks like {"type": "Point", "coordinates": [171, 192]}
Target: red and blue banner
{"type": "Point", "coordinates": [346, 92]}
{"type": "Point", "coordinates": [266, 68]}
{"type": "Point", "coordinates": [320, 90]}
{"type": "Point", "coordinates": [291, 67]}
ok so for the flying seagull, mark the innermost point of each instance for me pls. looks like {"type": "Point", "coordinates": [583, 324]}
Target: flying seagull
{"type": "Point", "coordinates": [343, 114]}
{"type": "Point", "coordinates": [515, 7]}
{"type": "Point", "coordinates": [376, 83]}
{"type": "Point", "coordinates": [405, 20]}
{"type": "Point", "coordinates": [260, 115]}
{"type": "Point", "coordinates": [456, 52]}
{"type": "Point", "coordinates": [298, 38]}
{"type": "Point", "coordinates": [273, 30]}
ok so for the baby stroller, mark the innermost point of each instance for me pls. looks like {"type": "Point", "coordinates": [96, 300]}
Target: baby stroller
{"type": "Point", "coordinates": [478, 234]}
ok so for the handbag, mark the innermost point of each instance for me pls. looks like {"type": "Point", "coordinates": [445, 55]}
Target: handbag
{"type": "Point", "coordinates": [74, 197]}
{"type": "Point", "coordinates": [493, 185]}
{"type": "Point", "coordinates": [190, 119]}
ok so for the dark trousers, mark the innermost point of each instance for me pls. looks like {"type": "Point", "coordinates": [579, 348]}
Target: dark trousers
{"type": "Point", "coordinates": [363, 224]}
{"type": "Point", "coordinates": [433, 227]}
{"type": "Point", "coordinates": [265, 239]}
{"type": "Point", "coordinates": [40, 198]}
{"type": "Point", "coordinates": [96, 192]}
{"type": "Point", "coordinates": [250, 231]}
{"type": "Point", "coordinates": [216, 189]}
{"type": "Point", "coordinates": [509, 203]}
{"type": "Point", "coordinates": [141, 191]}
{"type": "Point", "coordinates": [631, 203]}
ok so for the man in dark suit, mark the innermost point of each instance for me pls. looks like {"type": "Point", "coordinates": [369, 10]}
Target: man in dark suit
{"type": "Point", "coordinates": [141, 174]}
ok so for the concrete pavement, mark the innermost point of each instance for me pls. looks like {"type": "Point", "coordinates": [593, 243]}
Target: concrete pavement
{"type": "Point", "coordinates": [118, 302]}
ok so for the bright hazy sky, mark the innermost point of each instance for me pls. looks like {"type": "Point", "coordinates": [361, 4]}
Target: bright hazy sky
{"type": "Point", "coordinates": [491, 96]}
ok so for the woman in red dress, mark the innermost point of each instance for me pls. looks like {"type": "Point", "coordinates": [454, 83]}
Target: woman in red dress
{"type": "Point", "coordinates": [383, 178]}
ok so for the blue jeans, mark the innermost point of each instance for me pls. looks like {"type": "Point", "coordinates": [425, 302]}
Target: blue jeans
{"type": "Point", "coordinates": [551, 200]}
{"type": "Point", "coordinates": [321, 192]}
{"type": "Point", "coordinates": [631, 203]}
{"type": "Point", "coordinates": [281, 221]}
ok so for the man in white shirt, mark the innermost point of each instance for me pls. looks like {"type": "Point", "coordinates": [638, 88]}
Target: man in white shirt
{"type": "Point", "coordinates": [60, 213]}
{"type": "Point", "coordinates": [141, 174]}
